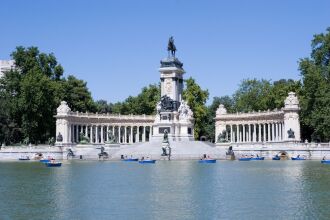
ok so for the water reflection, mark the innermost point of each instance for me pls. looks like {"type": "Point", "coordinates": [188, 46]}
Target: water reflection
{"type": "Point", "coordinates": [166, 190]}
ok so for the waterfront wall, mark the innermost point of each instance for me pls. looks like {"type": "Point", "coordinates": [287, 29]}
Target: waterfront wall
{"type": "Point", "coordinates": [14, 152]}
{"type": "Point", "coordinates": [311, 151]}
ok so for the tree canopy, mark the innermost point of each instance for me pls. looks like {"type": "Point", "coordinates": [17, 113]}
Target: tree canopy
{"type": "Point", "coordinates": [30, 94]}
{"type": "Point", "coordinates": [315, 94]}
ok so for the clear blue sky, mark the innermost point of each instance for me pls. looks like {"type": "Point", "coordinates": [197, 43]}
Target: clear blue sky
{"type": "Point", "coordinates": [116, 46]}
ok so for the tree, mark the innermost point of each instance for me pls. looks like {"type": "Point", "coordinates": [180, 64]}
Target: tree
{"type": "Point", "coordinates": [32, 91]}
{"type": "Point", "coordinates": [253, 95]}
{"type": "Point", "coordinates": [196, 98]}
{"type": "Point", "coordinates": [315, 94]}
{"type": "Point", "coordinates": [209, 125]}
{"type": "Point", "coordinates": [143, 103]}
{"type": "Point", "coordinates": [77, 95]}
{"type": "Point", "coordinates": [103, 107]}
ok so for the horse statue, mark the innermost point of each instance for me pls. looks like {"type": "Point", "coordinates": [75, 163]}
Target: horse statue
{"type": "Point", "coordinates": [171, 46]}
{"type": "Point", "coordinates": [103, 154]}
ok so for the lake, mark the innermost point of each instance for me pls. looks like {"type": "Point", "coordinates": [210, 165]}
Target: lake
{"type": "Point", "coordinates": [165, 190]}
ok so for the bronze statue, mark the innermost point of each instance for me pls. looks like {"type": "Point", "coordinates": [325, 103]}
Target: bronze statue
{"type": "Point", "coordinates": [165, 138]}
{"type": "Point", "coordinates": [171, 47]}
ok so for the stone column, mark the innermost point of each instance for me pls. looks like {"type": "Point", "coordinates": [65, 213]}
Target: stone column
{"type": "Point", "coordinates": [138, 134]}
{"type": "Point", "coordinates": [264, 133]}
{"type": "Point", "coordinates": [231, 133]}
{"type": "Point", "coordinates": [273, 132]}
{"type": "Point", "coordinates": [250, 132]}
{"type": "Point", "coordinates": [254, 137]}
{"type": "Point", "coordinates": [144, 134]}
{"type": "Point", "coordinates": [96, 134]}
{"type": "Point", "coordinates": [243, 133]}
{"type": "Point", "coordinates": [276, 131]}
{"type": "Point", "coordinates": [106, 133]}
{"type": "Point", "coordinates": [76, 136]}
{"type": "Point", "coordinates": [268, 132]}
{"type": "Point", "coordinates": [102, 134]}
{"type": "Point", "coordinates": [119, 134]}
{"type": "Point", "coordinates": [131, 141]}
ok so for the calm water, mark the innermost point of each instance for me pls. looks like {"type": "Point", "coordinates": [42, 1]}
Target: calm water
{"type": "Point", "coordinates": [166, 190]}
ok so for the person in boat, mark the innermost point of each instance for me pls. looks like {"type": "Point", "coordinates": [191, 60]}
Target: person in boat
{"type": "Point", "coordinates": [142, 158]}
{"type": "Point", "coordinates": [323, 158]}
{"type": "Point", "coordinates": [298, 156]}
{"type": "Point", "coordinates": [257, 155]}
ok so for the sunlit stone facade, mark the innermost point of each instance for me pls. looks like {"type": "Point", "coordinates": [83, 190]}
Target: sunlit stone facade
{"type": "Point", "coordinates": [253, 127]}
{"type": "Point", "coordinates": [126, 129]}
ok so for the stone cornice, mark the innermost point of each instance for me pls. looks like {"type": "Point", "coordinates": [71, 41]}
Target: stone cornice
{"type": "Point", "coordinates": [91, 118]}
{"type": "Point", "coordinates": [274, 115]}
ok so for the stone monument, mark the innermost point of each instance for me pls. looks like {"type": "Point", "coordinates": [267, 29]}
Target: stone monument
{"type": "Point", "coordinates": [173, 113]}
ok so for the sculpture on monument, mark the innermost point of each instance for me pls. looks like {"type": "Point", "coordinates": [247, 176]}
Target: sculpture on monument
{"type": "Point", "coordinates": [184, 111]}
{"type": "Point", "coordinates": [103, 154]}
{"type": "Point", "coordinates": [83, 139]}
{"type": "Point", "coordinates": [59, 137]}
{"type": "Point", "coordinates": [171, 46]}
{"type": "Point", "coordinates": [111, 138]}
{"type": "Point", "coordinates": [166, 146]}
{"type": "Point", "coordinates": [291, 134]}
{"type": "Point", "coordinates": [165, 138]}
{"type": "Point", "coordinates": [222, 137]}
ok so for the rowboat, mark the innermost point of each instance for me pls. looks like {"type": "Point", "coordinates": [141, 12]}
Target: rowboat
{"type": "Point", "coordinates": [297, 158]}
{"type": "Point", "coordinates": [325, 161]}
{"type": "Point", "coordinates": [276, 158]}
{"type": "Point", "coordinates": [244, 159]}
{"type": "Point", "coordinates": [44, 160]}
{"type": "Point", "coordinates": [147, 161]}
{"type": "Point", "coordinates": [208, 161]}
{"type": "Point", "coordinates": [257, 158]}
{"type": "Point", "coordinates": [130, 160]}
{"type": "Point", "coordinates": [24, 158]}
{"type": "Point", "coordinates": [53, 164]}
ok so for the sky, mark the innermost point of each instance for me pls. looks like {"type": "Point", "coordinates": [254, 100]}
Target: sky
{"type": "Point", "coordinates": [116, 46]}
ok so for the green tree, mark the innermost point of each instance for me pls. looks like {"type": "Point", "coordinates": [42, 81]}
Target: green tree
{"type": "Point", "coordinates": [32, 91]}
{"type": "Point", "coordinates": [196, 98]}
{"type": "Point", "coordinates": [253, 95]}
{"type": "Point", "coordinates": [77, 95]}
{"type": "Point", "coordinates": [143, 103]}
{"type": "Point", "coordinates": [315, 94]}
{"type": "Point", "coordinates": [103, 107]}
{"type": "Point", "coordinates": [209, 125]}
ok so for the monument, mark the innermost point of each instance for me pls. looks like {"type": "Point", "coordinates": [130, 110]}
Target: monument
{"type": "Point", "coordinates": [173, 113]}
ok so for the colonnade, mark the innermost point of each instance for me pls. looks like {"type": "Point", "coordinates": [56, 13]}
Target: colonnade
{"type": "Point", "coordinates": [255, 132]}
{"type": "Point", "coordinates": [99, 133]}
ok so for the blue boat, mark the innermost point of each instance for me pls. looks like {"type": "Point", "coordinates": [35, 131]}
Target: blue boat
{"type": "Point", "coordinates": [208, 161]}
{"type": "Point", "coordinates": [24, 158]}
{"type": "Point", "coordinates": [325, 161]}
{"type": "Point", "coordinates": [44, 161]}
{"type": "Point", "coordinates": [257, 158]}
{"type": "Point", "coordinates": [245, 159]}
{"type": "Point", "coordinates": [147, 161]}
{"type": "Point", "coordinates": [53, 164]}
{"type": "Point", "coordinates": [297, 158]}
{"type": "Point", "coordinates": [276, 158]}
{"type": "Point", "coordinates": [130, 160]}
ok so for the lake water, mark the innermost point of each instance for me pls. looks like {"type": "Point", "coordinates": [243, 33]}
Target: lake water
{"type": "Point", "coordinates": [165, 190]}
